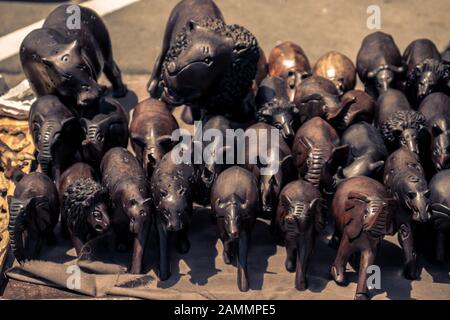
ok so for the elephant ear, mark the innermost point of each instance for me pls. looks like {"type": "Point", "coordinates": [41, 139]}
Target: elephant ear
{"type": "Point", "coordinates": [355, 205]}
{"type": "Point", "coordinates": [318, 206]}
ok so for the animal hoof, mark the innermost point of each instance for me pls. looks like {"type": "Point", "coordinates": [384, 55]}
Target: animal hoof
{"type": "Point", "coordinates": [301, 286]}
{"type": "Point", "coordinates": [337, 276]}
{"type": "Point", "coordinates": [243, 287]}
{"type": "Point", "coordinates": [120, 92]}
{"type": "Point", "coordinates": [290, 265]}
{"type": "Point", "coordinates": [411, 271]}
{"type": "Point", "coordinates": [361, 296]}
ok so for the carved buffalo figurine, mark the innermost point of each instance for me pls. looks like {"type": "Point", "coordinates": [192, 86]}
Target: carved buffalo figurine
{"type": "Point", "coordinates": [436, 110]}
{"type": "Point", "coordinates": [33, 214]}
{"type": "Point", "coordinates": [172, 190]}
{"type": "Point", "coordinates": [426, 73]}
{"type": "Point", "coordinates": [128, 189]}
{"type": "Point", "coordinates": [234, 200]}
{"type": "Point", "coordinates": [356, 106]}
{"type": "Point", "coordinates": [440, 208]}
{"type": "Point", "coordinates": [404, 178]}
{"type": "Point", "coordinates": [379, 63]}
{"type": "Point", "coordinates": [205, 62]}
{"type": "Point", "coordinates": [398, 123]}
{"type": "Point", "coordinates": [362, 209]}
{"type": "Point", "coordinates": [275, 108]}
{"type": "Point", "coordinates": [338, 68]}
{"type": "Point", "coordinates": [289, 62]}
{"type": "Point", "coordinates": [317, 96]}
{"type": "Point", "coordinates": [84, 204]}
{"type": "Point", "coordinates": [300, 217]}
{"type": "Point", "coordinates": [150, 132]}
{"type": "Point", "coordinates": [67, 62]}
{"type": "Point", "coordinates": [317, 151]}
{"type": "Point", "coordinates": [367, 152]}
{"type": "Point", "coordinates": [106, 127]}
{"type": "Point", "coordinates": [56, 135]}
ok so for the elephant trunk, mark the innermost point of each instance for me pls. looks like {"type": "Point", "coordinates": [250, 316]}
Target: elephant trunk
{"type": "Point", "coordinates": [16, 227]}
{"type": "Point", "coordinates": [315, 164]}
{"type": "Point", "coordinates": [45, 154]}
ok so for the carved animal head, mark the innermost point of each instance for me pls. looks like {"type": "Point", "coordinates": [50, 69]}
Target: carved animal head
{"type": "Point", "coordinates": [383, 76]}
{"type": "Point", "coordinates": [85, 203]}
{"type": "Point", "coordinates": [356, 106]}
{"type": "Point", "coordinates": [413, 193]}
{"type": "Point", "coordinates": [299, 216]}
{"type": "Point", "coordinates": [210, 57]}
{"type": "Point", "coordinates": [426, 77]}
{"type": "Point", "coordinates": [282, 115]}
{"type": "Point", "coordinates": [232, 209]}
{"type": "Point", "coordinates": [440, 142]}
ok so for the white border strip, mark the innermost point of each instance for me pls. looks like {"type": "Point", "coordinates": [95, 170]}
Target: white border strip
{"type": "Point", "coordinates": [10, 43]}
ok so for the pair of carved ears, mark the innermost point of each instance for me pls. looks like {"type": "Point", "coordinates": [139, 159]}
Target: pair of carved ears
{"type": "Point", "coordinates": [373, 73]}
{"type": "Point", "coordinates": [317, 205]}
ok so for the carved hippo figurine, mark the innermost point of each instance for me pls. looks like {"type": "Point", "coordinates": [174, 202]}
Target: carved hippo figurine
{"type": "Point", "coordinates": [106, 127]}
{"type": "Point", "coordinates": [356, 106]}
{"type": "Point", "coordinates": [56, 134]}
{"type": "Point", "coordinates": [300, 217]}
{"type": "Point", "coordinates": [289, 62]}
{"type": "Point", "coordinates": [367, 152]}
{"type": "Point", "coordinates": [338, 68]}
{"type": "Point", "coordinates": [436, 110]}
{"type": "Point", "coordinates": [204, 62]}
{"type": "Point", "coordinates": [234, 200]}
{"type": "Point", "coordinates": [425, 73]}
{"type": "Point", "coordinates": [150, 132]}
{"type": "Point", "coordinates": [274, 107]}
{"type": "Point", "coordinates": [33, 214]}
{"type": "Point", "coordinates": [440, 208]}
{"type": "Point", "coordinates": [172, 190]}
{"type": "Point", "coordinates": [317, 96]}
{"type": "Point", "coordinates": [67, 62]}
{"type": "Point", "coordinates": [379, 63]}
{"type": "Point", "coordinates": [129, 192]}
{"type": "Point", "coordinates": [317, 151]}
{"type": "Point", "coordinates": [84, 205]}
{"type": "Point", "coordinates": [404, 177]}
{"type": "Point", "coordinates": [362, 209]}
{"type": "Point", "coordinates": [398, 123]}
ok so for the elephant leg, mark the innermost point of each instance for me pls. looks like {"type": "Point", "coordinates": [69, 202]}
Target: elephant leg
{"type": "Point", "coordinates": [242, 276]}
{"type": "Point", "coordinates": [164, 260]}
{"type": "Point", "coordinates": [291, 253]}
{"type": "Point", "coordinates": [440, 246]}
{"type": "Point", "coordinates": [305, 244]}
{"type": "Point", "coordinates": [338, 267]}
{"type": "Point", "coordinates": [405, 237]}
{"type": "Point", "coordinates": [139, 242]}
{"type": "Point", "coordinates": [226, 241]}
{"type": "Point", "coordinates": [183, 244]}
{"type": "Point", "coordinates": [113, 74]}
{"type": "Point", "coordinates": [367, 259]}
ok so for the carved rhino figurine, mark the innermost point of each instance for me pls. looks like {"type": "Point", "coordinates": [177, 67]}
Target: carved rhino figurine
{"type": "Point", "coordinates": [404, 177]}
{"type": "Point", "coordinates": [379, 63]}
{"type": "Point", "coordinates": [56, 134]}
{"type": "Point", "coordinates": [84, 205]}
{"type": "Point", "coordinates": [129, 192]}
{"type": "Point", "coordinates": [362, 209]}
{"type": "Point", "coordinates": [33, 215]}
{"type": "Point", "coordinates": [300, 217]}
{"type": "Point", "coordinates": [150, 132]}
{"type": "Point", "coordinates": [67, 62]}
{"type": "Point", "coordinates": [172, 190]}
{"type": "Point", "coordinates": [234, 200]}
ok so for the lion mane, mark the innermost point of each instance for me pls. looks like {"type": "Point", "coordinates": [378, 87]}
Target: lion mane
{"type": "Point", "coordinates": [400, 121]}
{"type": "Point", "coordinates": [236, 81]}
{"type": "Point", "coordinates": [275, 106]}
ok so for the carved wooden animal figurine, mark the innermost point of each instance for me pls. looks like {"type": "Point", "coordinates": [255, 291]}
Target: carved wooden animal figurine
{"type": "Point", "coordinates": [398, 123]}
{"type": "Point", "coordinates": [274, 107]}
{"type": "Point", "coordinates": [317, 151]}
{"type": "Point", "coordinates": [128, 189]}
{"type": "Point", "coordinates": [106, 127]}
{"type": "Point", "coordinates": [289, 62]}
{"type": "Point", "coordinates": [234, 200]}
{"type": "Point", "coordinates": [338, 68]}
{"type": "Point", "coordinates": [367, 153]}
{"type": "Point", "coordinates": [205, 62]}
{"type": "Point", "coordinates": [150, 132]}
{"type": "Point", "coordinates": [317, 96]}
{"type": "Point", "coordinates": [33, 214]}
{"type": "Point", "coordinates": [356, 106]}
{"type": "Point", "coordinates": [172, 190]}
{"type": "Point", "coordinates": [436, 110]}
{"type": "Point", "coordinates": [379, 63]}
{"type": "Point", "coordinates": [84, 204]}
{"type": "Point", "coordinates": [440, 208]}
{"type": "Point", "coordinates": [300, 218]}
{"type": "Point", "coordinates": [425, 73]}
{"type": "Point", "coordinates": [362, 209]}
{"type": "Point", "coordinates": [67, 62]}
{"type": "Point", "coordinates": [56, 134]}
{"type": "Point", "coordinates": [404, 178]}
